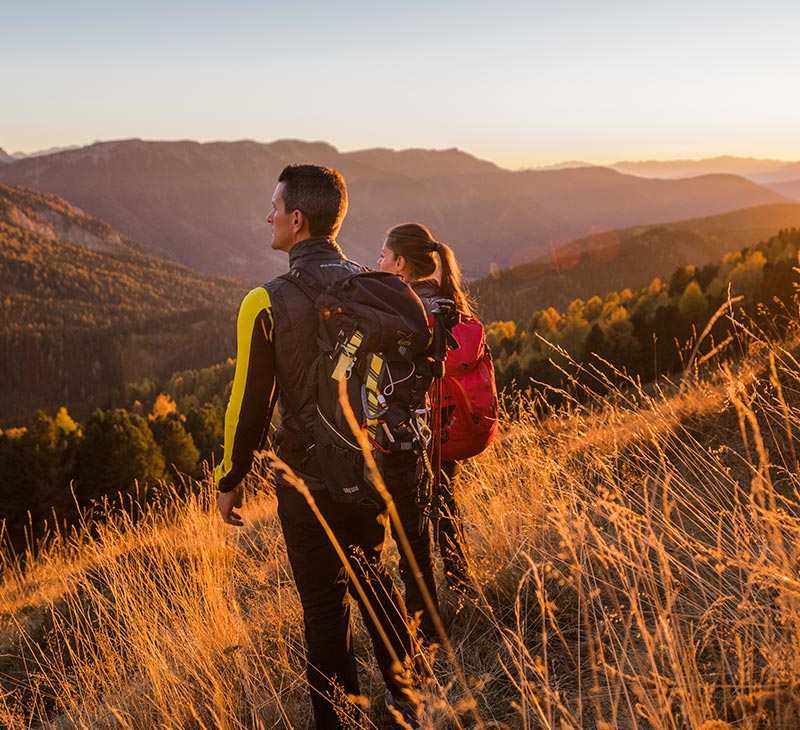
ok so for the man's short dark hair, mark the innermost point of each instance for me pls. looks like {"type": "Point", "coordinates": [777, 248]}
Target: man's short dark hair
{"type": "Point", "coordinates": [319, 193]}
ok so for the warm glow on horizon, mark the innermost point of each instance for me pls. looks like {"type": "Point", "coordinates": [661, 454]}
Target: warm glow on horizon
{"type": "Point", "coordinates": [504, 159]}
{"type": "Point", "coordinates": [520, 86]}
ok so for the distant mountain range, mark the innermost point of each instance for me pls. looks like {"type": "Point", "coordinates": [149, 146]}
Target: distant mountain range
{"type": "Point", "coordinates": [205, 205]}
{"type": "Point", "coordinates": [789, 189]}
{"type": "Point", "coordinates": [627, 258]}
{"type": "Point", "coordinates": [763, 171]}
{"type": "Point", "coordinates": [38, 153]}
{"type": "Point", "coordinates": [83, 310]}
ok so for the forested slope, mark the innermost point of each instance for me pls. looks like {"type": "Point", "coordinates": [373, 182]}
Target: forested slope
{"type": "Point", "coordinates": [627, 258]}
{"type": "Point", "coordinates": [82, 310]}
{"type": "Point", "coordinates": [650, 331]}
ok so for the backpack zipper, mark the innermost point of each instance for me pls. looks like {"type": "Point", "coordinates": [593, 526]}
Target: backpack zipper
{"type": "Point", "coordinates": [335, 430]}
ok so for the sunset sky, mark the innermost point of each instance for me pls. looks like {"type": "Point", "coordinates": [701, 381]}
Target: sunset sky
{"type": "Point", "coordinates": [521, 84]}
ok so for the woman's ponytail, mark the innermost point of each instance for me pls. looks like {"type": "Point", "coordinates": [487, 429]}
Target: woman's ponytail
{"type": "Point", "coordinates": [450, 285]}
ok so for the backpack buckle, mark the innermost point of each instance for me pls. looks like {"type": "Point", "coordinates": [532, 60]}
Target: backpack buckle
{"type": "Point", "coordinates": [343, 367]}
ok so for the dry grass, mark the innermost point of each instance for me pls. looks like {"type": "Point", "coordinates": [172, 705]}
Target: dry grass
{"type": "Point", "coordinates": [636, 563]}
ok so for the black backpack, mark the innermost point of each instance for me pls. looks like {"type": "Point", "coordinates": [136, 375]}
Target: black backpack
{"type": "Point", "coordinates": [373, 333]}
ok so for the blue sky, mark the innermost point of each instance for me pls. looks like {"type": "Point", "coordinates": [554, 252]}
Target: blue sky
{"type": "Point", "coordinates": [519, 83]}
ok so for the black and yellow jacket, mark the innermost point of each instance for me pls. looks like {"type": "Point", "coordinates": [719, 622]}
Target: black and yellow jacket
{"type": "Point", "coordinates": [276, 347]}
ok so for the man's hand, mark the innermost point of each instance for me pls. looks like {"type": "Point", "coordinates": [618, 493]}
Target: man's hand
{"type": "Point", "coordinates": [226, 501]}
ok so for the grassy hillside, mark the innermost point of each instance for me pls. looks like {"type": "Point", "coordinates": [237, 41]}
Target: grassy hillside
{"type": "Point", "coordinates": [84, 310]}
{"type": "Point", "coordinates": [636, 566]}
{"type": "Point", "coordinates": [626, 258]}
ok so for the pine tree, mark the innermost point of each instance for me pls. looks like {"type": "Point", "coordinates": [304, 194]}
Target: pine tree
{"type": "Point", "coordinates": [180, 453]}
{"type": "Point", "coordinates": [692, 304]}
{"type": "Point", "coordinates": [118, 450]}
{"type": "Point", "coordinates": [206, 425]}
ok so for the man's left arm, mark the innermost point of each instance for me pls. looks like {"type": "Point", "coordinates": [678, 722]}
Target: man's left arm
{"type": "Point", "coordinates": [247, 414]}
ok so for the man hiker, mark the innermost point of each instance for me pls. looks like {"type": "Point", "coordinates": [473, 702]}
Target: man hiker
{"type": "Point", "coordinates": [276, 332]}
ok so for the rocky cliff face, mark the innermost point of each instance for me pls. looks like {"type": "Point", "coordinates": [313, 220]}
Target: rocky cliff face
{"type": "Point", "coordinates": [51, 216]}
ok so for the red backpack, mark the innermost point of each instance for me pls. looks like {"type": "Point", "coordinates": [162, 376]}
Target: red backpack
{"type": "Point", "coordinates": [469, 394]}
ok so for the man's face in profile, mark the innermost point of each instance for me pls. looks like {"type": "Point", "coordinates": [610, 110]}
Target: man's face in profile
{"type": "Point", "coordinates": [281, 221]}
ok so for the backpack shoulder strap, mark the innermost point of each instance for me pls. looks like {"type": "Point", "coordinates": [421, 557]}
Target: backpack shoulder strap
{"type": "Point", "coordinates": [303, 282]}
{"type": "Point", "coordinates": [267, 435]}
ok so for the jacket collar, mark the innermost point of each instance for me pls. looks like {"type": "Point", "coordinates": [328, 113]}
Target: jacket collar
{"type": "Point", "coordinates": [425, 288]}
{"type": "Point", "coordinates": [310, 247]}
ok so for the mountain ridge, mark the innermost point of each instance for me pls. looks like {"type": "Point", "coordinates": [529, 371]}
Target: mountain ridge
{"type": "Point", "coordinates": [51, 216]}
{"type": "Point", "coordinates": [625, 259]}
{"type": "Point", "coordinates": [789, 189]}
{"type": "Point", "coordinates": [760, 170]}
{"type": "Point", "coordinates": [205, 204]}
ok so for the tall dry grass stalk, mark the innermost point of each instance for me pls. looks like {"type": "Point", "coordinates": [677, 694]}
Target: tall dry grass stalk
{"type": "Point", "coordinates": [636, 560]}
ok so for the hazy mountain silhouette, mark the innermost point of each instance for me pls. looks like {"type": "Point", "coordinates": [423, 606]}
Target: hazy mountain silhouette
{"type": "Point", "coordinates": [420, 163]}
{"type": "Point", "coordinates": [206, 204]}
{"type": "Point", "coordinates": [567, 164]}
{"type": "Point", "coordinates": [789, 189]}
{"type": "Point", "coordinates": [755, 169]}
{"type": "Point", "coordinates": [48, 151]}
{"type": "Point", "coordinates": [5, 157]}
{"type": "Point", "coordinates": [627, 258]}
{"type": "Point", "coordinates": [788, 173]}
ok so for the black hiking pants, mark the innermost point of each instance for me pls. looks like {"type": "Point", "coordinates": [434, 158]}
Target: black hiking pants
{"type": "Point", "coordinates": [325, 591]}
{"type": "Point", "coordinates": [401, 481]}
{"type": "Point", "coordinates": [449, 531]}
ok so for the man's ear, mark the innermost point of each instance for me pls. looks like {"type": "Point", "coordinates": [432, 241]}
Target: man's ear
{"type": "Point", "coordinates": [299, 222]}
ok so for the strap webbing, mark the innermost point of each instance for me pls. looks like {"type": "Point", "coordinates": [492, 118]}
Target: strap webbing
{"type": "Point", "coordinates": [375, 404]}
{"type": "Point", "coordinates": [347, 356]}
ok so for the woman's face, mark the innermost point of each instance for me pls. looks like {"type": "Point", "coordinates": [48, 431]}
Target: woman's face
{"type": "Point", "coordinates": [387, 261]}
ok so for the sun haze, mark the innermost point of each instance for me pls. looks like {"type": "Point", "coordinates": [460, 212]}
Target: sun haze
{"type": "Point", "coordinates": [519, 84]}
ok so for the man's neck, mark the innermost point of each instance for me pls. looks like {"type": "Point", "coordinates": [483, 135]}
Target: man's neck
{"type": "Point", "coordinates": [304, 239]}
{"type": "Point", "coordinates": [311, 243]}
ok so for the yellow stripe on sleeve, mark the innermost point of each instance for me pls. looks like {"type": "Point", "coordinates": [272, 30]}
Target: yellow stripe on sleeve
{"type": "Point", "coordinates": [254, 303]}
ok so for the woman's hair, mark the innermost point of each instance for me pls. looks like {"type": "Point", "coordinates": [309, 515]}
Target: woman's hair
{"type": "Point", "coordinates": [418, 247]}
